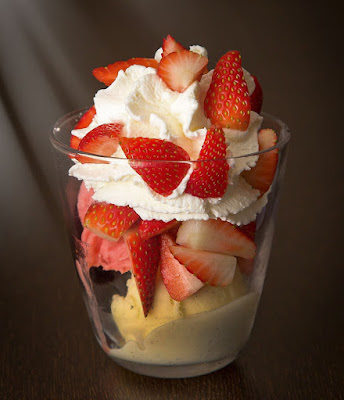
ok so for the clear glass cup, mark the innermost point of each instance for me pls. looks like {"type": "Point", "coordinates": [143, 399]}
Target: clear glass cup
{"type": "Point", "coordinates": [179, 339]}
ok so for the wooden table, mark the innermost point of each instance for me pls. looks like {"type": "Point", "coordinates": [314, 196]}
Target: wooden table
{"type": "Point", "coordinates": [48, 49]}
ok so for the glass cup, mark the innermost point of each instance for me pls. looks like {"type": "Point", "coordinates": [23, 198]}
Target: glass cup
{"type": "Point", "coordinates": [192, 337]}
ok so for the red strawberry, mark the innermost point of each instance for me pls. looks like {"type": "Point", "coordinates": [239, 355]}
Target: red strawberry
{"type": "Point", "coordinates": [216, 236]}
{"type": "Point", "coordinates": [256, 97]}
{"type": "Point", "coordinates": [74, 142]}
{"type": "Point", "coordinates": [145, 258]}
{"type": "Point", "coordinates": [180, 69]}
{"type": "Point", "coordinates": [249, 229]}
{"type": "Point", "coordinates": [109, 221]}
{"type": "Point", "coordinates": [102, 141]}
{"type": "Point", "coordinates": [170, 45]}
{"type": "Point", "coordinates": [227, 101]}
{"type": "Point", "coordinates": [179, 282]}
{"type": "Point", "coordinates": [108, 74]}
{"type": "Point", "coordinates": [86, 119]}
{"type": "Point", "coordinates": [209, 178]}
{"type": "Point", "coordinates": [84, 122]}
{"type": "Point", "coordinates": [262, 174]}
{"type": "Point", "coordinates": [160, 174]}
{"type": "Point", "coordinates": [154, 227]}
{"type": "Point", "coordinates": [212, 268]}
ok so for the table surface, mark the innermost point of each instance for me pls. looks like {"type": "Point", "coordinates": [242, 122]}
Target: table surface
{"type": "Point", "coordinates": [48, 51]}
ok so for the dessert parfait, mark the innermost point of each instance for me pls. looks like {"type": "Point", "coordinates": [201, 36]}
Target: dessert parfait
{"type": "Point", "coordinates": [172, 184]}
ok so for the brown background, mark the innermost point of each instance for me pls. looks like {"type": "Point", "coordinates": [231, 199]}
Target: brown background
{"type": "Point", "coordinates": [48, 50]}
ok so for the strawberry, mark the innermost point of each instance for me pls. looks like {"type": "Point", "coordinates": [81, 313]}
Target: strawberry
{"type": "Point", "coordinates": [148, 229]}
{"type": "Point", "coordinates": [180, 69]}
{"type": "Point", "coordinates": [249, 229]}
{"type": "Point", "coordinates": [145, 258]}
{"type": "Point", "coordinates": [86, 119]}
{"type": "Point", "coordinates": [84, 122]}
{"type": "Point", "coordinates": [216, 236]}
{"type": "Point", "coordinates": [262, 174]}
{"type": "Point", "coordinates": [108, 74]}
{"type": "Point", "coordinates": [256, 97]}
{"type": "Point", "coordinates": [102, 141]}
{"type": "Point", "coordinates": [74, 142]}
{"type": "Point", "coordinates": [170, 45]}
{"type": "Point", "coordinates": [179, 282]}
{"type": "Point", "coordinates": [209, 178]}
{"type": "Point", "coordinates": [227, 100]}
{"type": "Point", "coordinates": [160, 174]}
{"type": "Point", "coordinates": [212, 268]}
{"type": "Point", "coordinates": [109, 221]}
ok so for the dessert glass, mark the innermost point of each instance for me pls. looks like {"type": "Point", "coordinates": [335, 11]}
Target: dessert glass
{"type": "Point", "coordinates": [206, 335]}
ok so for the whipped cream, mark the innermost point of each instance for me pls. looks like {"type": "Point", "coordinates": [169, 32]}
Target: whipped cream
{"type": "Point", "coordinates": [141, 100]}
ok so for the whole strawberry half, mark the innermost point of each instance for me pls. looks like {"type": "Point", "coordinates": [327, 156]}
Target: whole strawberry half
{"type": "Point", "coordinates": [158, 168]}
{"type": "Point", "coordinates": [227, 102]}
{"type": "Point", "coordinates": [109, 221]}
{"type": "Point", "coordinates": [180, 69]}
{"type": "Point", "coordinates": [108, 74]}
{"type": "Point", "coordinates": [148, 229]}
{"type": "Point", "coordinates": [84, 122]}
{"type": "Point", "coordinates": [209, 178]}
{"type": "Point", "coordinates": [145, 259]}
{"type": "Point", "coordinates": [102, 141]}
{"type": "Point", "coordinates": [170, 45]}
{"type": "Point", "coordinates": [256, 97]}
{"type": "Point", "coordinates": [262, 174]}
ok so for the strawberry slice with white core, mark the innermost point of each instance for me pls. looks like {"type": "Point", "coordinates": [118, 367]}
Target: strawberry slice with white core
{"type": "Point", "coordinates": [262, 174]}
{"type": "Point", "coordinates": [157, 168]}
{"type": "Point", "coordinates": [213, 268]}
{"type": "Point", "coordinates": [148, 229]}
{"type": "Point", "coordinates": [107, 75]}
{"type": "Point", "coordinates": [179, 282]}
{"type": "Point", "coordinates": [84, 122]}
{"type": "Point", "coordinates": [170, 45]}
{"type": "Point", "coordinates": [145, 259]}
{"type": "Point", "coordinates": [102, 141]}
{"type": "Point", "coordinates": [216, 236]}
{"type": "Point", "coordinates": [210, 176]}
{"type": "Point", "coordinates": [180, 69]}
{"type": "Point", "coordinates": [109, 221]}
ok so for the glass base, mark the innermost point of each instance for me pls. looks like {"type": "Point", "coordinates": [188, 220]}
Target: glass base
{"type": "Point", "coordinates": [174, 371]}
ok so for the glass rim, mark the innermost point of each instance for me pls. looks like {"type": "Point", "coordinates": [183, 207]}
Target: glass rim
{"type": "Point", "coordinates": [59, 145]}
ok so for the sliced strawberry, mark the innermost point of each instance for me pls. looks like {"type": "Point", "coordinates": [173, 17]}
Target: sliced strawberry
{"type": "Point", "coordinates": [145, 258]}
{"type": "Point", "coordinates": [158, 170]}
{"type": "Point", "coordinates": [170, 45]}
{"type": "Point", "coordinates": [249, 229]}
{"type": "Point", "coordinates": [108, 74]}
{"type": "Point", "coordinates": [256, 97]}
{"type": "Point", "coordinates": [212, 268]}
{"type": "Point", "coordinates": [262, 174]}
{"type": "Point", "coordinates": [216, 236]}
{"type": "Point", "coordinates": [227, 102]}
{"type": "Point", "coordinates": [109, 221]}
{"type": "Point", "coordinates": [180, 69]}
{"type": "Point", "coordinates": [86, 119]}
{"type": "Point", "coordinates": [245, 266]}
{"type": "Point", "coordinates": [84, 122]}
{"type": "Point", "coordinates": [102, 141]}
{"type": "Point", "coordinates": [74, 142]}
{"type": "Point", "coordinates": [148, 229]}
{"type": "Point", "coordinates": [179, 282]}
{"type": "Point", "coordinates": [210, 176]}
